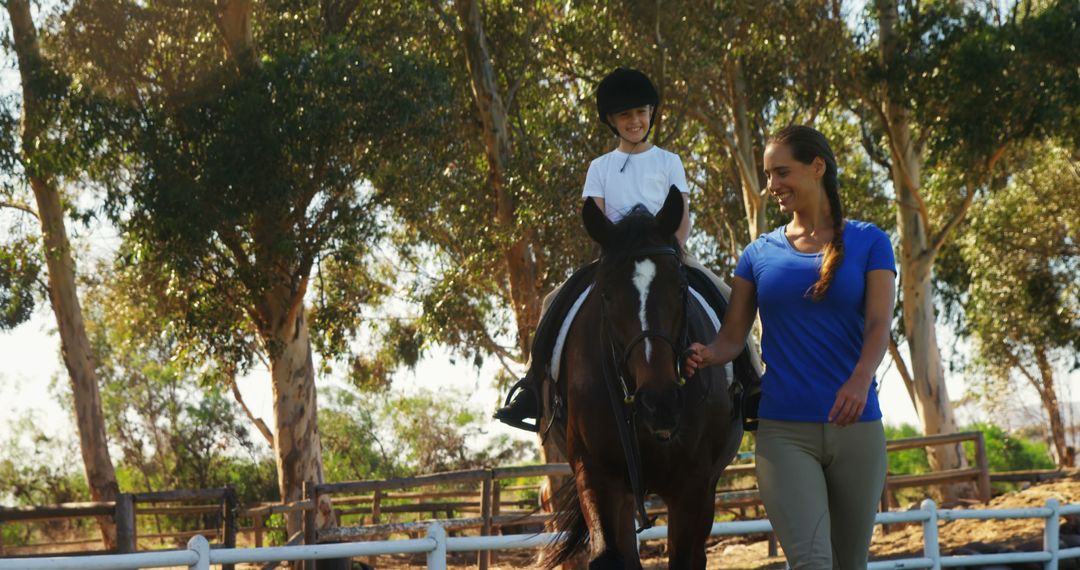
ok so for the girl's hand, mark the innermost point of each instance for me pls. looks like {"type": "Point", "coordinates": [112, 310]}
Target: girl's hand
{"type": "Point", "coordinates": [697, 356]}
{"type": "Point", "coordinates": [850, 401]}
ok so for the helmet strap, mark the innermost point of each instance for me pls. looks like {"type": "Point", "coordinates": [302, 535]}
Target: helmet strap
{"type": "Point", "coordinates": [652, 118]}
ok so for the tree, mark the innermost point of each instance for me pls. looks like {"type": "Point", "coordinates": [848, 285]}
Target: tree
{"type": "Point", "coordinates": [950, 89]}
{"type": "Point", "coordinates": [764, 69]}
{"type": "Point", "coordinates": [169, 415]}
{"type": "Point", "coordinates": [497, 197]}
{"type": "Point", "coordinates": [248, 133]}
{"type": "Point", "coordinates": [1023, 278]}
{"type": "Point", "coordinates": [46, 158]}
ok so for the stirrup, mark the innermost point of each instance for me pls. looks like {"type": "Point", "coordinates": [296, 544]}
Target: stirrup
{"type": "Point", "coordinates": [750, 403]}
{"type": "Point", "coordinates": [523, 384]}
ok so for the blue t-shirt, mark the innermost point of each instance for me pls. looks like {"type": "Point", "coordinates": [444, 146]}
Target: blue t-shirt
{"type": "Point", "coordinates": [810, 348]}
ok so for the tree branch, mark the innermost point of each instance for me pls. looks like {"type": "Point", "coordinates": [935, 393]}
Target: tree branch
{"type": "Point", "coordinates": [22, 207]}
{"type": "Point", "coordinates": [902, 368]}
{"type": "Point", "coordinates": [958, 216]}
{"type": "Point", "coordinates": [259, 423]}
{"type": "Point", "coordinates": [728, 138]}
{"type": "Point", "coordinates": [446, 18]}
{"type": "Point", "coordinates": [1014, 362]}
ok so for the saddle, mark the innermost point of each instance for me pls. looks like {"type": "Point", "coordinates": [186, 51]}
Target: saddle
{"type": "Point", "coordinates": [551, 335]}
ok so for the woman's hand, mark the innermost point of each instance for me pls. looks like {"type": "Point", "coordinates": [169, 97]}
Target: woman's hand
{"type": "Point", "coordinates": [850, 400]}
{"type": "Point", "coordinates": [698, 356]}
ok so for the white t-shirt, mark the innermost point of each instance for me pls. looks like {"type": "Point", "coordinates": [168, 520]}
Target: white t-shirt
{"type": "Point", "coordinates": [645, 180]}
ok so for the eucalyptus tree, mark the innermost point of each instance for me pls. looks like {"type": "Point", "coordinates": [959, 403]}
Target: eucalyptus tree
{"type": "Point", "coordinates": [739, 72]}
{"type": "Point", "coordinates": [1021, 275]}
{"type": "Point", "coordinates": [55, 144]}
{"type": "Point", "coordinates": [487, 208]}
{"type": "Point", "coordinates": [248, 133]}
{"type": "Point", "coordinates": [167, 413]}
{"type": "Point", "coordinates": [950, 87]}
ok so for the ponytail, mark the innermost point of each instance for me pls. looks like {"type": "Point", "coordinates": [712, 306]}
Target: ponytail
{"type": "Point", "coordinates": [806, 144]}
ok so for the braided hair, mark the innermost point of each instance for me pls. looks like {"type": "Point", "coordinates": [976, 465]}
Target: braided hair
{"type": "Point", "coordinates": [806, 144]}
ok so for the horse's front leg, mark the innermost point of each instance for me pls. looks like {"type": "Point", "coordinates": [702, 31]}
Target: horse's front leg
{"type": "Point", "coordinates": [608, 507]}
{"type": "Point", "coordinates": [690, 518]}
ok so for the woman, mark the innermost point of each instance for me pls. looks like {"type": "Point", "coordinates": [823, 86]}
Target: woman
{"type": "Point", "coordinates": [825, 288]}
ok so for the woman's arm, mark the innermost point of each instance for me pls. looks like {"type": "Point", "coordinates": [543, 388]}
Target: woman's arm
{"type": "Point", "coordinates": [851, 397]}
{"type": "Point", "coordinates": [731, 340]}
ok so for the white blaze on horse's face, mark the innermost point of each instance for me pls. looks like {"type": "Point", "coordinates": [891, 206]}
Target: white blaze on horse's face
{"type": "Point", "coordinates": [644, 272]}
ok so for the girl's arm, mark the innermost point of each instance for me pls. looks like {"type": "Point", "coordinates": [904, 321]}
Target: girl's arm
{"type": "Point", "coordinates": [600, 203]}
{"type": "Point", "coordinates": [684, 226]}
{"type": "Point", "coordinates": [851, 397]}
{"type": "Point", "coordinates": [731, 340]}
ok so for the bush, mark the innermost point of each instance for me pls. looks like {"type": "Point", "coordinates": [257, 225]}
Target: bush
{"type": "Point", "coordinates": [1007, 453]}
{"type": "Point", "coordinates": [1004, 452]}
{"type": "Point", "coordinates": [908, 461]}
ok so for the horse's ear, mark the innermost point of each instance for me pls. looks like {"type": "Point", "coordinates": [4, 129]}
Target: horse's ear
{"type": "Point", "coordinates": [670, 215]}
{"type": "Point", "coordinates": [596, 223]}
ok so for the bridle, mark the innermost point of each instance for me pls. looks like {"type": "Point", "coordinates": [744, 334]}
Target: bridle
{"type": "Point", "coordinates": [623, 404]}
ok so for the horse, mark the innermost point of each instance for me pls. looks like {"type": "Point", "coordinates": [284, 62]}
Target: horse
{"type": "Point", "coordinates": [622, 363]}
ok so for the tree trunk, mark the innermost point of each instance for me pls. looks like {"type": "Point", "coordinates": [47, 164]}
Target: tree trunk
{"type": "Point", "coordinates": [282, 323]}
{"type": "Point", "coordinates": [522, 267]}
{"type": "Point", "coordinates": [742, 148]}
{"type": "Point", "coordinates": [297, 445]}
{"type": "Point", "coordinates": [63, 294]}
{"type": "Point", "coordinates": [519, 254]}
{"type": "Point", "coordinates": [917, 254]}
{"type": "Point", "coordinates": [233, 20]}
{"type": "Point", "coordinates": [1064, 454]}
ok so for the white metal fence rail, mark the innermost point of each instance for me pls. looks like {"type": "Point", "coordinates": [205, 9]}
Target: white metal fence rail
{"type": "Point", "coordinates": [437, 544]}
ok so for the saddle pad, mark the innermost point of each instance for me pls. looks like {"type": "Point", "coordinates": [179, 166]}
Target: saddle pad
{"type": "Point", "coordinates": [560, 341]}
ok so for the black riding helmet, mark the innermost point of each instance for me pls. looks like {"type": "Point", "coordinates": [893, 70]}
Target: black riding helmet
{"type": "Point", "coordinates": [624, 89]}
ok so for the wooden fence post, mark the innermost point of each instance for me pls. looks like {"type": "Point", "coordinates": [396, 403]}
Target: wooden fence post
{"type": "Point", "coordinates": [229, 519]}
{"type": "Point", "coordinates": [496, 510]}
{"type": "Point", "coordinates": [376, 516]}
{"type": "Point", "coordinates": [310, 537]}
{"type": "Point", "coordinates": [984, 467]}
{"type": "Point", "coordinates": [257, 528]}
{"type": "Point", "coordinates": [125, 523]}
{"type": "Point", "coordinates": [376, 506]}
{"type": "Point", "coordinates": [886, 503]}
{"type": "Point", "coordinates": [484, 556]}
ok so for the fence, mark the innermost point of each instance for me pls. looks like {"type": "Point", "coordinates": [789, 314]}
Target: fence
{"type": "Point", "coordinates": [123, 511]}
{"type": "Point", "coordinates": [479, 500]}
{"type": "Point", "coordinates": [436, 545]}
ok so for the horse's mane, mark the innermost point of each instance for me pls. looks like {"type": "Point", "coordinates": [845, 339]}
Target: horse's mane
{"type": "Point", "coordinates": [637, 229]}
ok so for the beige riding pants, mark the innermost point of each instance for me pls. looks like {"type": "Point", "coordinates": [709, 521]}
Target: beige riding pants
{"type": "Point", "coordinates": [821, 485]}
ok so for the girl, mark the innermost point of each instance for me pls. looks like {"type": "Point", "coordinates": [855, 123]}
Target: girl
{"type": "Point", "coordinates": [636, 172]}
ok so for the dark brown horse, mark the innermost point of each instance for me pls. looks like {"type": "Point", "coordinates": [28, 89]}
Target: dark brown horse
{"type": "Point", "coordinates": [621, 365]}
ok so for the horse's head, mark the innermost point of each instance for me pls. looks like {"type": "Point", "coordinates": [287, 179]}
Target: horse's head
{"type": "Point", "coordinates": [643, 292]}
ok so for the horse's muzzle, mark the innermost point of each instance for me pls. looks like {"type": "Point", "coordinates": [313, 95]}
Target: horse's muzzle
{"type": "Point", "coordinates": [660, 411]}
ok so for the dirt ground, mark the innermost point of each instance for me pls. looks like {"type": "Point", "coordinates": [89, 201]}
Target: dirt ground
{"type": "Point", "coordinates": [901, 541]}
